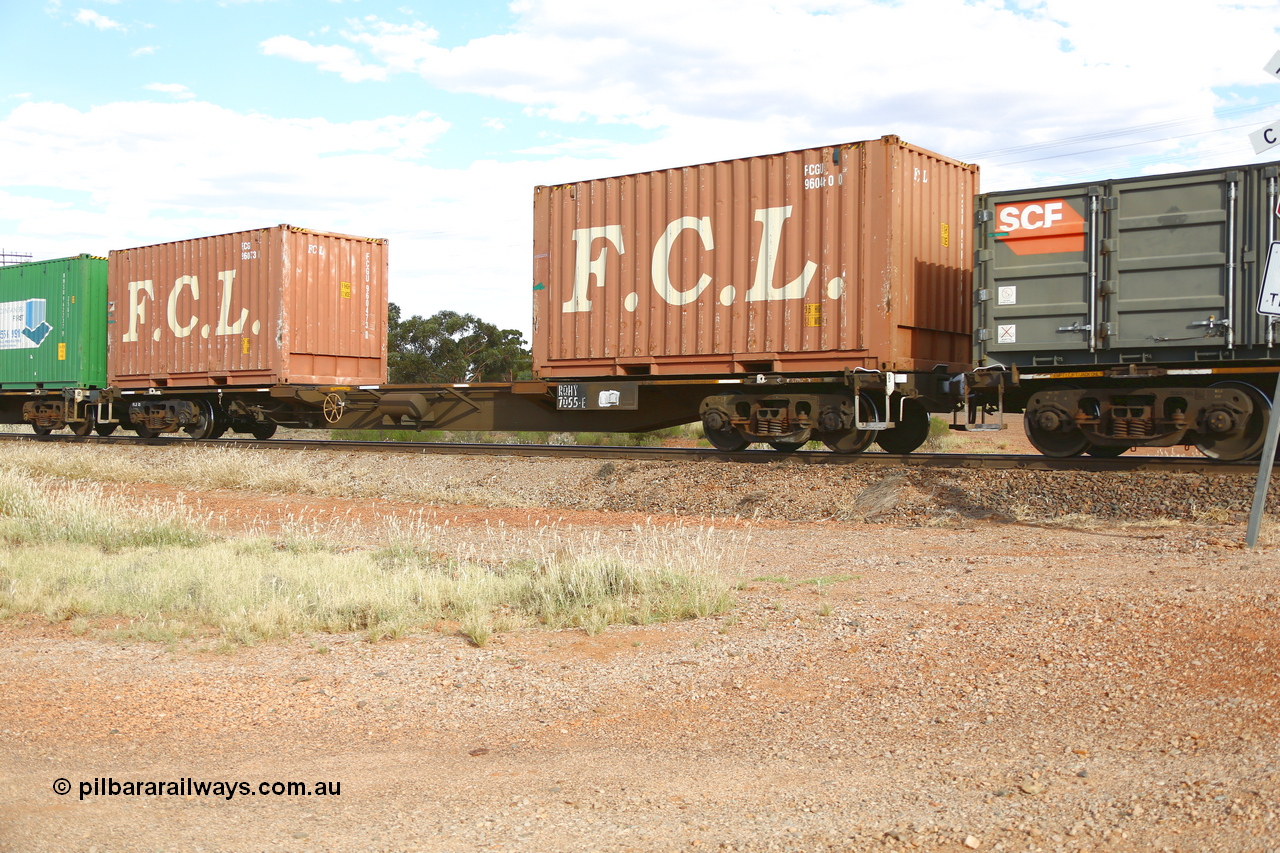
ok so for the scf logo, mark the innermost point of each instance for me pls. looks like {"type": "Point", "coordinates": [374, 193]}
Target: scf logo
{"type": "Point", "coordinates": [1040, 227]}
{"type": "Point", "coordinates": [1030, 216]}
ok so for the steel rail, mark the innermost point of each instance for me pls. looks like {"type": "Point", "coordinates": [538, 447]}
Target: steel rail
{"type": "Point", "coordinates": [986, 461]}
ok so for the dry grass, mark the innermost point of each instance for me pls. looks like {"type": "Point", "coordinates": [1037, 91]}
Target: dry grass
{"type": "Point", "coordinates": [74, 555]}
{"type": "Point", "coordinates": [301, 473]}
{"type": "Point", "coordinates": [880, 497]}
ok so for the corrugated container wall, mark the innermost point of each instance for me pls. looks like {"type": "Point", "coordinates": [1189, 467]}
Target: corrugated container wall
{"type": "Point", "coordinates": [271, 306]}
{"type": "Point", "coordinates": [53, 324]}
{"type": "Point", "coordinates": [1158, 268]}
{"type": "Point", "coordinates": [817, 260]}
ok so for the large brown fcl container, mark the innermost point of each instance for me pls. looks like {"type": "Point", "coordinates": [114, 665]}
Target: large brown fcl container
{"type": "Point", "coordinates": [818, 260]}
{"type": "Point", "coordinates": [280, 305]}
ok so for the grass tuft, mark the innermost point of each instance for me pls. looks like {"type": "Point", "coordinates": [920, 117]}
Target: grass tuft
{"type": "Point", "coordinates": [76, 555]}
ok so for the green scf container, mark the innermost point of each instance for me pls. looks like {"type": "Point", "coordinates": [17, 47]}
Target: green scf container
{"type": "Point", "coordinates": [53, 324]}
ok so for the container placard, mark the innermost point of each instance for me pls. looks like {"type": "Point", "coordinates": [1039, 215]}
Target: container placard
{"type": "Point", "coordinates": [23, 324]}
{"type": "Point", "coordinates": [593, 396]}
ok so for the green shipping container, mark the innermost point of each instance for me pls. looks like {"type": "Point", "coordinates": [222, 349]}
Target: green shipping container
{"type": "Point", "coordinates": [53, 324]}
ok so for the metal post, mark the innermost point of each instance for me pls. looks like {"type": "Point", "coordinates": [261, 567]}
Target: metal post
{"type": "Point", "coordinates": [1264, 469]}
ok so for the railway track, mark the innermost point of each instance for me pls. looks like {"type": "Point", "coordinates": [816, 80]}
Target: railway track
{"type": "Point", "coordinates": [988, 461]}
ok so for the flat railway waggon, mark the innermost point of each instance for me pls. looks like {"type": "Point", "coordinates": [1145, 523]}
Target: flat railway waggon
{"type": "Point", "coordinates": [843, 294]}
{"type": "Point", "coordinates": [1122, 313]}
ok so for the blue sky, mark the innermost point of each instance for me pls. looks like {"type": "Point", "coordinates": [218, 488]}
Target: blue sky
{"type": "Point", "coordinates": [127, 122]}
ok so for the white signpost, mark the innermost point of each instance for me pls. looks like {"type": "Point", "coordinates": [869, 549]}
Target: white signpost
{"type": "Point", "coordinates": [1269, 136]}
{"type": "Point", "coordinates": [1273, 65]}
{"type": "Point", "coordinates": [1265, 139]}
{"type": "Point", "coordinates": [1269, 305]}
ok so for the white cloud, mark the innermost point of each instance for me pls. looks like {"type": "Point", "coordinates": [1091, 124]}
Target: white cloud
{"type": "Point", "coordinates": [336, 58]}
{"type": "Point", "coordinates": [727, 78]}
{"type": "Point", "coordinates": [148, 50]}
{"type": "Point", "coordinates": [91, 18]}
{"type": "Point", "coordinates": [144, 172]}
{"type": "Point", "coordinates": [177, 90]}
{"type": "Point", "coordinates": [679, 82]}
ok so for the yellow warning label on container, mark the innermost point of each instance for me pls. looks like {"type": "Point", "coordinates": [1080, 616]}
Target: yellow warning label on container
{"type": "Point", "coordinates": [813, 314]}
{"type": "Point", "coordinates": [62, 352]}
{"type": "Point", "coordinates": [946, 235]}
{"type": "Point", "coordinates": [345, 288]}
{"type": "Point", "coordinates": [244, 345]}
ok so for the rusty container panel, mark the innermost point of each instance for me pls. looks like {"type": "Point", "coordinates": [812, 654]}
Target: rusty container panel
{"type": "Point", "coordinates": [279, 305]}
{"type": "Point", "coordinates": [817, 260]}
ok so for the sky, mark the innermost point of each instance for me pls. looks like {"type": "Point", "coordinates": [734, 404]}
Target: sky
{"type": "Point", "coordinates": [130, 122]}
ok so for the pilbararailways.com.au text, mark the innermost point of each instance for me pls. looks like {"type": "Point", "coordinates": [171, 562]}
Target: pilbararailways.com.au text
{"type": "Point", "coordinates": [188, 787]}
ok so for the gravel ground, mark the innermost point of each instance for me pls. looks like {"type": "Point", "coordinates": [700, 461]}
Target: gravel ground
{"type": "Point", "coordinates": [909, 666]}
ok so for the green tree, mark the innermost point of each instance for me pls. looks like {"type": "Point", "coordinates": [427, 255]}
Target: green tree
{"type": "Point", "coordinates": [452, 347]}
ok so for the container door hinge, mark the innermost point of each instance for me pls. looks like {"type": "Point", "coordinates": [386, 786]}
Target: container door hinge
{"type": "Point", "coordinates": [981, 216]}
{"type": "Point", "coordinates": [984, 294]}
{"type": "Point", "coordinates": [982, 334]}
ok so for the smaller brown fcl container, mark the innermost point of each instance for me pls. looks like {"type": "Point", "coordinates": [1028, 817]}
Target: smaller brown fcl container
{"type": "Point", "coordinates": [818, 260]}
{"type": "Point", "coordinates": [280, 305]}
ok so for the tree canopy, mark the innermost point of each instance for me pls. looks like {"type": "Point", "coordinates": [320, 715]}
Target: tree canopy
{"type": "Point", "coordinates": [452, 347]}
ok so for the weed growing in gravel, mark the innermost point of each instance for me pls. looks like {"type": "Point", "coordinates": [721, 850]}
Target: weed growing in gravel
{"type": "Point", "coordinates": [77, 556]}
{"type": "Point", "coordinates": [943, 439]}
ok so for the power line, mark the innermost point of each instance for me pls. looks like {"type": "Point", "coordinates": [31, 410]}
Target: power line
{"type": "Point", "coordinates": [1124, 145]}
{"type": "Point", "coordinates": [1228, 112]}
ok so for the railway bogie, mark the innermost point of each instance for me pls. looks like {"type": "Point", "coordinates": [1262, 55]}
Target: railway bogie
{"type": "Point", "coordinates": [848, 417]}
{"type": "Point", "coordinates": [1122, 313]}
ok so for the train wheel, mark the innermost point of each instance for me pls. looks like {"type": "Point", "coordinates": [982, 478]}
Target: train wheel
{"type": "Point", "coordinates": [727, 440]}
{"type": "Point", "coordinates": [262, 431]}
{"type": "Point", "coordinates": [849, 440]}
{"type": "Point", "coordinates": [1245, 443]}
{"type": "Point", "coordinates": [41, 430]}
{"type": "Point", "coordinates": [145, 431]}
{"type": "Point", "coordinates": [854, 440]}
{"type": "Point", "coordinates": [85, 426]}
{"type": "Point", "coordinates": [1051, 430]}
{"type": "Point", "coordinates": [1055, 443]}
{"type": "Point", "coordinates": [793, 444]}
{"type": "Point", "coordinates": [105, 430]}
{"type": "Point", "coordinates": [910, 432]}
{"type": "Point", "coordinates": [206, 423]}
{"type": "Point", "coordinates": [1105, 451]}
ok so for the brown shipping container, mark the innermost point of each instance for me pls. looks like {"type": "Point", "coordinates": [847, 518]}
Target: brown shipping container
{"type": "Point", "coordinates": [818, 260]}
{"type": "Point", "coordinates": [278, 305]}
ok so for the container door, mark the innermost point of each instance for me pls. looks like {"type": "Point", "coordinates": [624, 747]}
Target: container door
{"type": "Point", "coordinates": [1036, 286]}
{"type": "Point", "coordinates": [1171, 262]}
